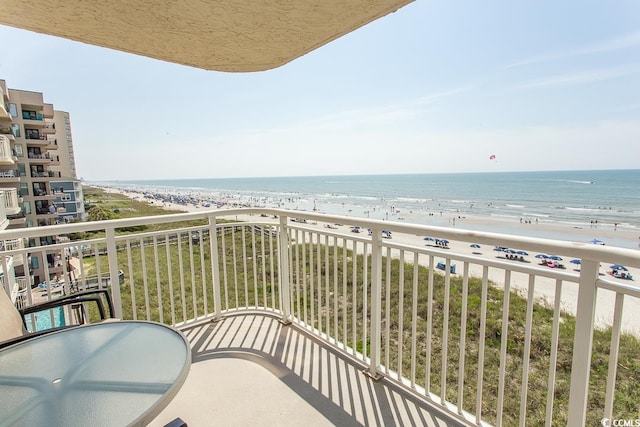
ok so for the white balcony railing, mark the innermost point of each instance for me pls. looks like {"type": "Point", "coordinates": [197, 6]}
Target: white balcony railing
{"type": "Point", "coordinates": [11, 204]}
{"type": "Point", "coordinates": [6, 154]}
{"type": "Point", "coordinates": [383, 301]}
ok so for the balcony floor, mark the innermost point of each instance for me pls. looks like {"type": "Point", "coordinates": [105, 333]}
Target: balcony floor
{"type": "Point", "coordinates": [249, 369]}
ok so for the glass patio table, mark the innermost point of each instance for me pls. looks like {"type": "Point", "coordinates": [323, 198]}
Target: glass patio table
{"type": "Point", "coordinates": [113, 373]}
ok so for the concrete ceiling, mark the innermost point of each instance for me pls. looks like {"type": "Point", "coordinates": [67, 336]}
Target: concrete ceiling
{"type": "Point", "coordinates": [221, 35]}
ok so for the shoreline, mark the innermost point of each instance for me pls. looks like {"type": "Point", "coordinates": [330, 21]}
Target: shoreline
{"type": "Point", "coordinates": [544, 287]}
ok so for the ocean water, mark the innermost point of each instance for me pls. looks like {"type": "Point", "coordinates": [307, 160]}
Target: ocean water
{"type": "Point", "coordinates": [578, 198]}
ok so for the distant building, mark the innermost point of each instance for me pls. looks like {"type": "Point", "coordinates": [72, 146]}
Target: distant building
{"type": "Point", "coordinates": [36, 156]}
{"type": "Point", "coordinates": [69, 200]}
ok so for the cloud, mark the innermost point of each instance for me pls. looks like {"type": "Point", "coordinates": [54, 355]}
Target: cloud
{"type": "Point", "coordinates": [585, 77]}
{"type": "Point", "coordinates": [630, 40]}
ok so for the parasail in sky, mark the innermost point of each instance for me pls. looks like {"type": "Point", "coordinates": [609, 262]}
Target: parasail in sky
{"type": "Point", "coordinates": [492, 157]}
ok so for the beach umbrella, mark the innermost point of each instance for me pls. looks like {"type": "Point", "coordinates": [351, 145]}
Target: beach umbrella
{"type": "Point", "coordinates": [555, 257]}
{"type": "Point", "coordinates": [498, 249]}
{"type": "Point", "coordinates": [428, 239]}
{"type": "Point", "coordinates": [542, 256]}
{"type": "Point", "coordinates": [618, 267]}
{"type": "Point", "coordinates": [510, 251]}
{"type": "Point", "coordinates": [596, 241]}
{"type": "Point", "coordinates": [522, 253]}
{"type": "Point", "coordinates": [475, 245]}
{"type": "Point", "coordinates": [576, 261]}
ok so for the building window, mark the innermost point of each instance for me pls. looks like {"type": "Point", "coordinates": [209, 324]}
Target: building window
{"type": "Point", "coordinates": [18, 148]}
{"type": "Point", "coordinates": [13, 110]}
{"type": "Point", "coordinates": [15, 130]}
{"type": "Point", "coordinates": [32, 134]}
{"type": "Point", "coordinates": [35, 264]}
{"type": "Point", "coordinates": [29, 223]}
{"type": "Point", "coordinates": [24, 189]}
{"type": "Point", "coordinates": [27, 208]}
{"type": "Point", "coordinates": [21, 169]}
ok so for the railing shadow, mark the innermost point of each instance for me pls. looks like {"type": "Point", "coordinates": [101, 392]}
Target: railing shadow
{"type": "Point", "coordinates": [328, 381]}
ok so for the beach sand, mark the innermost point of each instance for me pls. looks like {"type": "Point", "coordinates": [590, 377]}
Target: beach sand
{"type": "Point", "coordinates": [544, 287]}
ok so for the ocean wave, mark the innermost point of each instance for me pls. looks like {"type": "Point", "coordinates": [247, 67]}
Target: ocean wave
{"type": "Point", "coordinates": [569, 208]}
{"type": "Point", "coordinates": [415, 200]}
{"type": "Point", "coordinates": [515, 206]}
{"type": "Point", "coordinates": [537, 215]}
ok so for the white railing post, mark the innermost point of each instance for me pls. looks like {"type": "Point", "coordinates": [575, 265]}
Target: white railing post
{"type": "Point", "coordinates": [215, 266]}
{"type": "Point", "coordinates": [376, 302]}
{"type": "Point", "coordinates": [283, 271]}
{"type": "Point", "coordinates": [112, 254]}
{"type": "Point", "coordinates": [582, 343]}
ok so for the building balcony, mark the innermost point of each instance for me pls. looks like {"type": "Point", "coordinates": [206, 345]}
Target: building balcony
{"type": "Point", "coordinates": [10, 198]}
{"type": "Point", "coordinates": [14, 245]}
{"type": "Point", "coordinates": [8, 132]}
{"type": "Point", "coordinates": [44, 158]}
{"type": "Point", "coordinates": [49, 127]}
{"type": "Point", "coordinates": [6, 153]}
{"type": "Point", "coordinates": [36, 138]}
{"type": "Point", "coordinates": [300, 323]}
{"type": "Point", "coordinates": [4, 111]}
{"type": "Point", "coordinates": [17, 220]}
{"type": "Point", "coordinates": [52, 144]}
{"type": "Point", "coordinates": [45, 174]}
{"type": "Point", "coordinates": [9, 176]}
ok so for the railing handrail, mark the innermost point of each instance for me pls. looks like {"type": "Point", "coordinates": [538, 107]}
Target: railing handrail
{"type": "Point", "coordinates": [574, 249]}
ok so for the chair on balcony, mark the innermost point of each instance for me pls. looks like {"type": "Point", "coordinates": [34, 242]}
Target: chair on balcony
{"type": "Point", "coordinates": [14, 320]}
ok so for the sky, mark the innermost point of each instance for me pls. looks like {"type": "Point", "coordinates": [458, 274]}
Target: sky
{"type": "Point", "coordinates": [435, 87]}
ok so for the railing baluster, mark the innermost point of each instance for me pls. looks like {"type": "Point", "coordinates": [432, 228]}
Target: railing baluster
{"type": "Point", "coordinates": [463, 336]}
{"type": "Point", "coordinates": [235, 266]}
{"type": "Point", "coordinates": [183, 294]}
{"type": "Point", "coordinates": [503, 346]}
{"type": "Point", "coordinates": [414, 319]}
{"type": "Point", "coordinates": [483, 327]}
{"type": "Point", "coordinates": [264, 269]}
{"type": "Point", "coordinates": [376, 302]}
{"type": "Point", "coordinates": [354, 302]}
{"type": "Point", "coordinates": [445, 332]}
{"type": "Point", "coordinates": [145, 281]}
{"type": "Point", "coordinates": [213, 236]}
{"type": "Point", "coordinates": [255, 266]}
{"type": "Point", "coordinates": [215, 266]}
{"type": "Point", "coordinates": [244, 266]}
{"type": "Point", "coordinates": [345, 321]}
{"type": "Point", "coordinates": [319, 273]}
{"type": "Point", "coordinates": [335, 288]}
{"type": "Point", "coordinates": [283, 270]}
{"type": "Point", "coordinates": [327, 277]}
{"type": "Point", "coordinates": [582, 343]}
{"type": "Point", "coordinates": [555, 334]}
{"type": "Point", "coordinates": [303, 271]}
{"type": "Point", "coordinates": [272, 273]}
{"type": "Point", "coordinates": [167, 244]}
{"type": "Point", "coordinates": [203, 273]}
{"type": "Point", "coordinates": [158, 283]}
{"type": "Point", "coordinates": [132, 282]}
{"type": "Point", "coordinates": [400, 312]}
{"type": "Point", "coordinates": [427, 371]}
{"type": "Point", "coordinates": [613, 356]}
{"type": "Point", "coordinates": [527, 350]}
{"type": "Point", "coordinates": [365, 285]}
{"type": "Point", "coordinates": [387, 311]}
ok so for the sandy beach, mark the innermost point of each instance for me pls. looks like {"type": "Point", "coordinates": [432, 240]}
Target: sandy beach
{"type": "Point", "coordinates": [544, 287]}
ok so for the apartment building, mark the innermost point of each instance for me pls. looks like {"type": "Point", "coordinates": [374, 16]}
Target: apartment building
{"type": "Point", "coordinates": [35, 153]}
